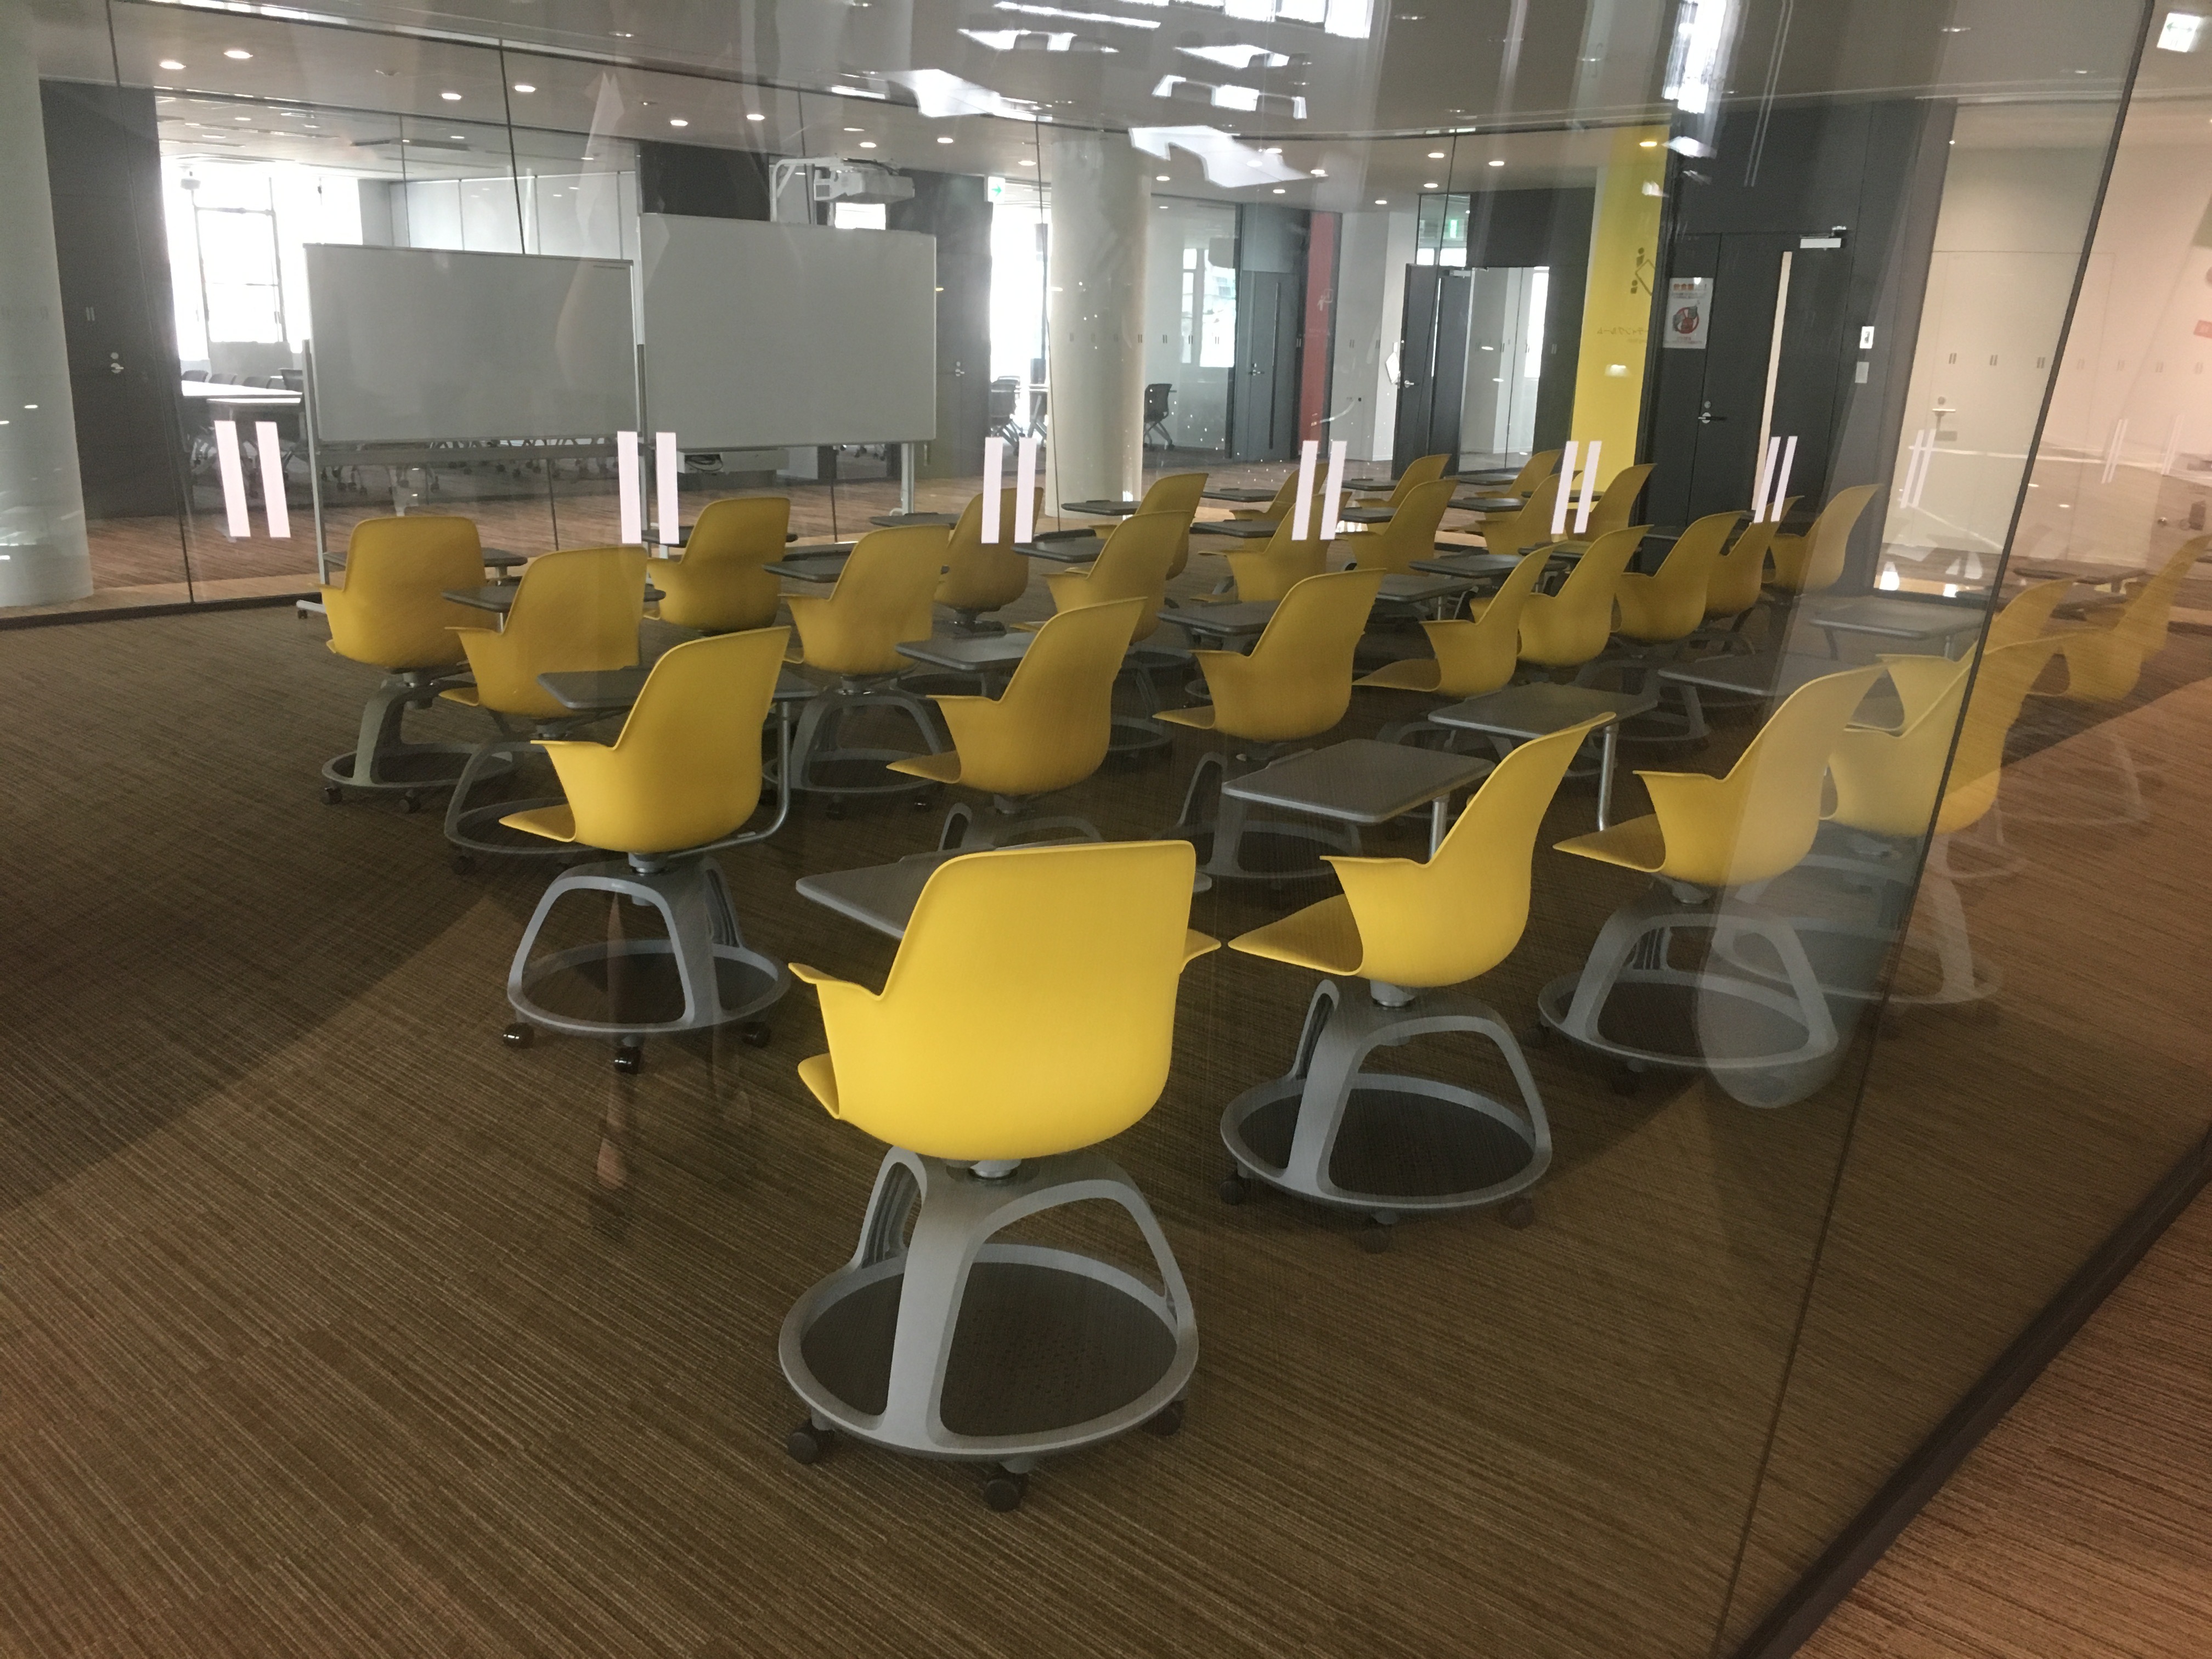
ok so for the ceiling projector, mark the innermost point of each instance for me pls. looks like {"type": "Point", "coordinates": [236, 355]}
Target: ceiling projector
{"type": "Point", "coordinates": [858, 181]}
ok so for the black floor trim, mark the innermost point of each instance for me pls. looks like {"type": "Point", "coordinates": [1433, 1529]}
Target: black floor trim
{"type": "Point", "coordinates": [183, 608]}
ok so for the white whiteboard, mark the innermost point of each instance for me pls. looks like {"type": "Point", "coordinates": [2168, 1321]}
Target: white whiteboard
{"type": "Point", "coordinates": [428, 344]}
{"type": "Point", "coordinates": [761, 335]}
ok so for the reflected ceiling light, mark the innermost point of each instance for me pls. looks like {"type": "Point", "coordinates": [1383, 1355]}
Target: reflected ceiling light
{"type": "Point", "coordinates": [1226, 161]}
{"type": "Point", "coordinates": [451, 97]}
{"type": "Point", "coordinates": [1272, 149]}
{"type": "Point", "coordinates": [1159, 178]}
{"type": "Point", "coordinates": [1496, 162]}
{"type": "Point", "coordinates": [1319, 172]}
{"type": "Point", "coordinates": [1278, 189]}
{"type": "Point", "coordinates": [241, 117]}
{"type": "Point", "coordinates": [1436, 156]}
{"type": "Point", "coordinates": [1647, 143]}
{"type": "Point", "coordinates": [1698, 59]}
{"type": "Point", "coordinates": [1076, 16]}
{"type": "Point", "coordinates": [755, 115]}
{"type": "Point", "coordinates": [867, 143]}
{"type": "Point", "coordinates": [944, 137]}
{"type": "Point", "coordinates": [1426, 184]}
{"type": "Point", "coordinates": [858, 92]}
{"type": "Point", "coordinates": [678, 121]}
{"type": "Point", "coordinates": [1026, 162]}
{"type": "Point", "coordinates": [239, 52]}
{"type": "Point", "coordinates": [623, 34]}
{"type": "Point", "coordinates": [458, 135]}
{"type": "Point", "coordinates": [524, 86]}
{"type": "Point", "coordinates": [171, 63]}
{"type": "Point", "coordinates": [1237, 56]}
{"type": "Point", "coordinates": [1382, 201]}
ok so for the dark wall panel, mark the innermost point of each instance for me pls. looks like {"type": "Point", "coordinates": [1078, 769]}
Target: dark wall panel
{"type": "Point", "coordinates": [954, 208]}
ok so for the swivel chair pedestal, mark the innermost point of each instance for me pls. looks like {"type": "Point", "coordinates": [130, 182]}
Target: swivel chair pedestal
{"type": "Point", "coordinates": [382, 761]}
{"type": "Point", "coordinates": [818, 754]}
{"type": "Point", "coordinates": [1388, 1144]}
{"type": "Point", "coordinates": [874, 1350]}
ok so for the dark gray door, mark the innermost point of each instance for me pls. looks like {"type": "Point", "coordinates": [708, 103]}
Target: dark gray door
{"type": "Point", "coordinates": [1432, 364]}
{"type": "Point", "coordinates": [1264, 395]}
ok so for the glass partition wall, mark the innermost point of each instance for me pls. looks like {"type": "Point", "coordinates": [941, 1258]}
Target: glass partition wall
{"type": "Point", "coordinates": [1814, 395]}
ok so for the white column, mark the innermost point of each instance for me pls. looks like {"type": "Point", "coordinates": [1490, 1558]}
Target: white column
{"type": "Point", "coordinates": [43, 556]}
{"type": "Point", "coordinates": [1095, 316]}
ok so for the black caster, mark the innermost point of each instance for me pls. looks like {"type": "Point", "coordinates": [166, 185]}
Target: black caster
{"type": "Point", "coordinates": [411, 801]}
{"type": "Point", "coordinates": [754, 1034]}
{"type": "Point", "coordinates": [808, 1444]}
{"type": "Point", "coordinates": [1520, 1212]}
{"type": "Point", "coordinates": [1165, 1421]}
{"type": "Point", "coordinates": [332, 795]}
{"type": "Point", "coordinates": [1234, 1188]}
{"type": "Point", "coordinates": [1374, 1237]}
{"type": "Point", "coordinates": [834, 812]}
{"type": "Point", "coordinates": [1624, 1081]}
{"type": "Point", "coordinates": [629, 1061]}
{"type": "Point", "coordinates": [520, 1034]}
{"type": "Point", "coordinates": [1537, 1036]}
{"type": "Point", "coordinates": [1004, 1490]}
{"type": "Point", "coordinates": [922, 803]}
{"type": "Point", "coordinates": [463, 863]}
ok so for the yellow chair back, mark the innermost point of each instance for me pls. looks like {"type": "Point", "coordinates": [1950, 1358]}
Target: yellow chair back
{"type": "Point", "coordinates": [720, 583]}
{"type": "Point", "coordinates": [1670, 604]}
{"type": "Point", "coordinates": [1472, 656]}
{"type": "Point", "coordinates": [1567, 629]}
{"type": "Point", "coordinates": [1461, 913]}
{"type": "Point", "coordinates": [1740, 573]}
{"type": "Point", "coordinates": [686, 771]}
{"type": "Point", "coordinates": [1427, 469]}
{"type": "Point", "coordinates": [982, 575]}
{"type": "Point", "coordinates": [2026, 616]}
{"type": "Point", "coordinates": [882, 597]}
{"type": "Point", "coordinates": [1178, 493]}
{"type": "Point", "coordinates": [1517, 532]}
{"type": "Point", "coordinates": [1030, 1009]}
{"type": "Point", "coordinates": [1286, 496]}
{"type": "Point", "coordinates": [390, 612]}
{"type": "Point", "coordinates": [1977, 760]}
{"type": "Point", "coordinates": [1297, 681]}
{"type": "Point", "coordinates": [1271, 571]}
{"type": "Point", "coordinates": [1050, 728]}
{"type": "Point", "coordinates": [1539, 467]}
{"type": "Point", "coordinates": [574, 612]}
{"type": "Point", "coordinates": [1814, 562]}
{"type": "Point", "coordinates": [2104, 663]}
{"type": "Point", "coordinates": [1612, 509]}
{"type": "Point", "coordinates": [1135, 563]}
{"type": "Point", "coordinates": [1411, 534]}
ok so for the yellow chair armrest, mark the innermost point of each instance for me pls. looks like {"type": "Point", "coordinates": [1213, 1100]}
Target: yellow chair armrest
{"type": "Point", "coordinates": [1196, 945]}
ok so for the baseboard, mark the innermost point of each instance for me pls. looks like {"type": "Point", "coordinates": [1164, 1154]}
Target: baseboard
{"type": "Point", "coordinates": [1792, 1620]}
{"type": "Point", "coordinates": [127, 612]}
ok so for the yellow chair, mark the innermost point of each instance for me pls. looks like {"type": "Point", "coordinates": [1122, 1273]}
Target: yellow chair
{"type": "Point", "coordinates": [1515, 533]}
{"type": "Point", "coordinates": [1285, 502]}
{"type": "Point", "coordinates": [1390, 548]}
{"type": "Point", "coordinates": [1670, 605]}
{"type": "Point", "coordinates": [1136, 562]}
{"type": "Point", "coordinates": [1472, 657]}
{"type": "Point", "coordinates": [1572, 626]}
{"type": "Point", "coordinates": [391, 614]}
{"type": "Point", "coordinates": [574, 612]}
{"type": "Point", "coordinates": [1540, 466]}
{"type": "Point", "coordinates": [1411, 1146]}
{"type": "Point", "coordinates": [1706, 839]}
{"type": "Point", "coordinates": [1427, 469]}
{"type": "Point", "coordinates": [1814, 562]}
{"type": "Point", "coordinates": [983, 576]}
{"type": "Point", "coordinates": [1178, 493]}
{"type": "Point", "coordinates": [1049, 730]}
{"type": "Point", "coordinates": [721, 585]}
{"type": "Point", "coordinates": [677, 784]}
{"type": "Point", "coordinates": [1295, 684]}
{"type": "Point", "coordinates": [2027, 615]}
{"type": "Point", "coordinates": [1740, 573]}
{"type": "Point", "coordinates": [1613, 509]}
{"type": "Point", "coordinates": [882, 596]}
{"type": "Point", "coordinates": [1265, 573]}
{"type": "Point", "coordinates": [1028, 1015]}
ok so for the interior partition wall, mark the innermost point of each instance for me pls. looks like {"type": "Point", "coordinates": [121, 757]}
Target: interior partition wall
{"type": "Point", "coordinates": [1912, 291]}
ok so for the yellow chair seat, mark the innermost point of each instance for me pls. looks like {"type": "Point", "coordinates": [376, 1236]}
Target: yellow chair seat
{"type": "Point", "coordinates": [554, 822]}
{"type": "Point", "coordinates": [1201, 717]}
{"type": "Point", "coordinates": [464, 695]}
{"type": "Point", "coordinates": [819, 1073]}
{"type": "Point", "coordinates": [1411, 674]}
{"type": "Point", "coordinates": [1324, 937]}
{"type": "Point", "coordinates": [938, 768]}
{"type": "Point", "coordinates": [1638, 844]}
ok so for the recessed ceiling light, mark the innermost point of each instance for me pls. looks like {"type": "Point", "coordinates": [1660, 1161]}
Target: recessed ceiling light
{"type": "Point", "coordinates": [1647, 143]}
{"type": "Point", "coordinates": [451, 97]}
{"type": "Point", "coordinates": [1272, 149]}
{"type": "Point", "coordinates": [944, 137]}
{"type": "Point", "coordinates": [622, 34]}
{"type": "Point", "coordinates": [856, 129]}
{"type": "Point", "coordinates": [458, 135]}
{"type": "Point", "coordinates": [1382, 201]}
{"type": "Point", "coordinates": [524, 86]}
{"type": "Point", "coordinates": [1278, 189]}
{"type": "Point", "coordinates": [867, 143]}
{"type": "Point", "coordinates": [1428, 184]}
{"type": "Point", "coordinates": [1027, 162]}
{"type": "Point", "coordinates": [171, 63]}
{"type": "Point", "coordinates": [678, 121]}
{"type": "Point", "coordinates": [1318, 173]}
{"type": "Point", "coordinates": [1159, 178]}
{"type": "Point", "coordinates": [755, 115]}
{"type": "Point", "coordinates": [1436, 156]}
{"type": "Point", "coordinates": [239, 52]}
{"type": "Point", "coordinates": [241, 117]}
{"type": "Point", "coordinates": [1496, 162]}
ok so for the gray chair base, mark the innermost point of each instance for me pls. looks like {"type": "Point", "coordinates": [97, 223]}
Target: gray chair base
{"type": "Point", "coordinates": [1767, 1045]}
{"type": "Point", "coordinates": [947, 1345]}
{"type": "Point", "coordinates": [721, 980]}
{"type": "Point", "coordinates": [1232, 821]}
{"type": "Point", "coordinates": [816, 751]}
{"type": "Point", "coordinates": [1384, 1144]}
{"type": "Point", "coordinates": [2133, 811]}
{"type": "Point", "coordinates": [1010, 824]}
{"type": "Point", "coordinates": [468, 828]}
{"type": "Point", "coordinates": [381, 762]}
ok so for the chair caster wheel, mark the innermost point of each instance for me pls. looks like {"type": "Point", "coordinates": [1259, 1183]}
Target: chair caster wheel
{"type": "Point", "coordinates": [629, 1061]}
{"type": "Point", "coordinates": [754, 1034]}
{"type": "Point", "coordinates": [332, 795]}
{"type": "Point", "coordinates": [411, 801]}
{"type": "Point", "coordinates": [1624, 1081]}
{"type": "Point", "coordinates": [1165, 1421]}
{"type": "Point", "coordinates": [1519, 1213]}
{"type": "Point", "coordinates": [520, 1034]}
{"type": "Point", "coordinates": [1374, 1237]}
{"type": "Point", "coordinates": [462, 863]}
{"type": "Point", "coordinates": [1004, 1490]}
{"type": "Point", "coordinates": [1537, 1036]}
{"type": "Point", "coordinates": [834, 812]}
{"type": "Point", "coordinates": [808, 1444]}
{"type": "Point", "coordinates": [1233, 1188]}
{"type": "Point", "coordinates": [922, 803]}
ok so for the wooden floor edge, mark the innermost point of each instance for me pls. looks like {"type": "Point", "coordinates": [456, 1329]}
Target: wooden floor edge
{"type": "Point", "coordinates": [1791, 1622]}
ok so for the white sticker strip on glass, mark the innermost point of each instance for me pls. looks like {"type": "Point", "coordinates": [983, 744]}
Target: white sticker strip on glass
{"type": "Point", "coordinates": [1589, 487]}
{"type": "Point", "coordinates": [665, 467]}
{"type": "Point", "coordinates": [1559, 502]}
{"type": "Point", "coordinates": [1333, 500]}
{"type": "Point", "coordinates": [626, 486]}
{"type": "Point", "coordinates": [1301, 509]}
{"type": "Point", "coordinates": [274, 507]}
{"type": "Point", "coordinates": [2112, 451]}
{"type": "Point", "coordinates": [994, 484]}
{"type": "Point", "coordinates": [1781, 475]}
{"type": "Point", "coordinates": [1026, 467]}
{"type": "Point", "coordinates": [1766, 459]}
{"type": "Point", "coordinates": [234, 479]}
{"type": "Point", "coordinates": [1908, 494]}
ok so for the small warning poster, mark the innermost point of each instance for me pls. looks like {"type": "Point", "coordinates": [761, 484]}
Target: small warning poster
{"type": "Point", "coordinates": [1689, 303]}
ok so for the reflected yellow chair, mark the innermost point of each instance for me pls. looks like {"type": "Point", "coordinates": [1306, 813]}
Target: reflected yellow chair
{"type": "Point", "coordinates": [678, 783]}
{"type": "Point", "coordinates": [1814, 562]}
{"type": "Point", "coordinates": [2027, 615]}
{"type": "Point", "coordinates": [1136, 562]}
{"type": "Point", "coordinates": [1269, 571]}
{"type": "Point", "coordinates": [1538, 467]}
{"type": "Point", "coordinates": [1740, 573]}
{"type": "Point", "coordinates": [1515, 533]}
{"type": "Point", "coordinates": [1295, 684]}
{"type": "Point", "coordinates": [1669, 604]}
{"type": "Point", "coordinates": [1427, 469]}
{"type": "Point", "coordinates": [1028, 1015]}
{"type": "Point", "coordinates": [1411, 1146]}
{"type": "Point", "coordinates": [1615, 505]}
{"type": "Point", "coordinates": [392, 613]}
{"type": "Point", "coordinates": [1390, 548]}
{"type": "Point", "coordinates": [574, 612]}
{"type": "Point", "coordinates": [983, 576]}
{"type": "Point", "coordinates": [1472, 657]}
{"type": "Point", "coordinates": [1572, 626]}
{"type": "Point", "coordinates": [1706, 839]}
{"type": "Point", "coordinates": [1049, 730]}
{"type": "Point", "coordinates": [882, 596]}
{"type": "Point", "coordinates": [721, 585]}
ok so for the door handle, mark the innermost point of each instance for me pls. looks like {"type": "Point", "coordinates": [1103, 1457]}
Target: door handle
{"type": "Point", "coordinates": [1706, 418]}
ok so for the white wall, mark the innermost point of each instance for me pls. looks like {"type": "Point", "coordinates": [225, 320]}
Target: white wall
{"type": "Point", "coordinates": [1375, 248]}
{"type": "Point", "coordinates": [1199, 415]}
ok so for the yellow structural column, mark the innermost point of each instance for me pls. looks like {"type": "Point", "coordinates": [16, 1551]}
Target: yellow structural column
{"type": "Point", "coordinates": [1617, 301]}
